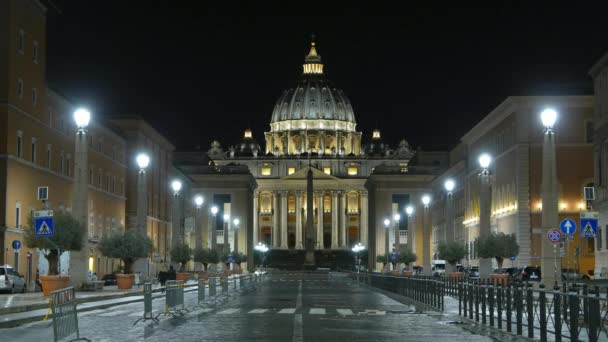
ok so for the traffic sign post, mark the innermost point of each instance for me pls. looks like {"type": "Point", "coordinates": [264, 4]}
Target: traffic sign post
{"type": "Point", "coordinates": [44, 226]}
{"type": "Point", "coordinates": [16, 244]}
{"type": "Point", "coordinates": [589, 221]}
{"type": "Point", "coordinates": [568, 226]}
{"type": "Point", "coordinates": [554, 236]}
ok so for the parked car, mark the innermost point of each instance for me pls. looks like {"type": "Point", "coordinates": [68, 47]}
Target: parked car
{"type": "Point", "coordinates": [572, 274]}
{"type": "Point", "coordinates": [530, 273]}
{"type": "Point", "coordinates": [109, 279]}
{"type": "Point", "coordinates": [471, 273]}
{"type": "Point", "coordinates": [10, 280]}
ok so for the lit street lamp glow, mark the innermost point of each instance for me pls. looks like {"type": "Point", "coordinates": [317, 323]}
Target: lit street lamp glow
{"type": "Point", "coordinates": [409, 210]}
{"type": "Point", "coordinates": [176, 185]}
{"type": "Point", "coordinates": [82, 118]}
{"type": "Point", "coordinates": [548, 117]}
{"type": "Point", "coordinates": [226, 217]}
{"type": "Point", "coordinates": [143, 160]}
{"type": "Point", "coordinates": [198, 200]}
{"type": "Point", "coordinates": [485, 160]}
{"type": "Point", "coordinates": [426, 199]}
{"type": "Point", "coordinates": [397, 217]}
{"type": "Point", "coordinates": [236, 222]}
{"type": "Point", "coordinates": [387, 223]}
{"type": "Point", "coordinates": [214, 210]}
{"type": "Point", "coordinates": [449, 185]}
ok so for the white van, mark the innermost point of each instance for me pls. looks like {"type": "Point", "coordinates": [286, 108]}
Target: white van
{"type": "Point", "coordinates": [438, 267]}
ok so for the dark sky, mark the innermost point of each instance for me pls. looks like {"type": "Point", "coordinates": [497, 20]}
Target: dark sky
{"type": "Point", "coordinates": [206, 71]}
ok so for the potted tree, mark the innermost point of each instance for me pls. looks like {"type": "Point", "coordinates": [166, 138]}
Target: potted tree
{"type": "Point", "coordinates": [499, 246]}
{"type": "Point", "coordinates": [68, 237]}
{"type": "Point", "coordinates": [181, 254]}
{"type": "Point", "coordinates": [127, 246]}
{"type": "Point", "coordinates": [224, 258]}
{"type": "Point", "coordinates": [382, 259]}
{"type": "Point", "coordinates": [452, 252]}
{"type": "Point", "coordinates": [407, 257]}
{"type": "Point", "coordinates": [205, 256]}
{"type": "Point", "coordinates": [238, 259]}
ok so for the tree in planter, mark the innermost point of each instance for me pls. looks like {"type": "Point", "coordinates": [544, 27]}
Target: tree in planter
{"type": "Point", "coordinates": [224, 258]}
{"type": "Point", "coordinates": [127, 246]}
{"type": "Point", "coordinates": [67, 237]}
{"type": "Point", "coordinates": [452, 252]}
{"type": "Point", "coordinates": [383, 259]}
{"type": "Point", "coordinates": [407, 257]}
{"type": "Point", "coordinates": [498, 246]}
{"type": "Point", "coordinates": [182, 254]}
{"type": "Point", "coordinates": [206, 256]}
{"type": "Point", "coordinates": [239, 258]}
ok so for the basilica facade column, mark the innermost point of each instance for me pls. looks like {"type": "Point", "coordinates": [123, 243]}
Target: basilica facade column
{"type": "Point", "coordinates": [321, 143]}
{"type": "Point", "coordinates": [320, 243]}
{"type": "Point", "coordinates": [275, 219]}
{"type": "Point", "coordinates": [303, 147]}
{"type": "Point", "coordinates": [299, 220]}
{"type": "Point", "coordinates": [343, 219]}
{"type": "Point", "coordinates": [256, 216]}
{"type": "Point", "coordinates": [289, 144]}
{"type": "Point", "coordinates": [334, 219]}
{"type": "Point", "coordinates": [284, 219]}
{"type": "Point", "coordinates": [364, 218]}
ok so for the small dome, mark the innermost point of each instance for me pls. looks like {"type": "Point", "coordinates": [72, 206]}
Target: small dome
{"type": "Point", "coordinates": [248, 146]}
{"type": "Point", "coordinates": [377, 147]}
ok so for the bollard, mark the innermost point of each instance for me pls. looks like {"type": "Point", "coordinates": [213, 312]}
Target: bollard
{"type": "Point", "coordinates": [212, 286]}
{"type": "Point", "coordinates": [148, 305]}
{"type": "Point", "coordinates": [530, 310]}
{"type": "Point", "coordinates": [542, 302]}
{"type": "Point", "coordinates": [471, 295]}
{"type": "Point", "coordinates": [174, 298]}
{"type": "Point", "coordinates": [491, 304]}
{"type": "Point", "coordinates": [483, 303]}
{"type": "Point", "coordinates": [476, 303]}
{"type": "Point", "coordinates": [509, 308]}
{"type": "Point", "coordinates": [518, 310]}
{"type": "Point", "coordinates": [594, 319]}
{"type": "Point", "coordinates": [557, 319]}
{"type": "Point", "coordinates": [573, 303]}
{"type": "Point", "coordinates": [500, 291]}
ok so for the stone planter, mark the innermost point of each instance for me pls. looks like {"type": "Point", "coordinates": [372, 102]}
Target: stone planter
{"type": "Point", "coordinates": [203, 275]}
{"type": "Point", "coordinates": [408, 273]}
{"type": "Point", "coordinates": [182, 276]}
{"type": "Point", "coordinates": [499, 279]}
{"type": "Point", "coordinates": [239, 271]}
{"type": "Point", "coordinates": [456, 276]}
{"type": "Point", "coordinates": [395, 273]}
{"type": "Point", "coordinates": [125, 281]}
{"type": "Point", "coordinates": [52, 283]}
{"type": "Point", "coordinates": [227, 272]}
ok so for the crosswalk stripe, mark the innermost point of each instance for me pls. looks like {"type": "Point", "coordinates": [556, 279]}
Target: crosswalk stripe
{"type": "Point", "coordinates": [141, 313]}
{"type": "Point", "coordinates": [258, 311]}
{"type": "Point", "coordinates": [203, 310]}
{"type": "Point", "coordinates": [317, 311]}
{"type": "Point", "coordinates": [287, 311]}
{"type": "Point", "coordinates": [112, 313]}
{"type": "Point", "coordinates": [345, 312]}
{"type": "Point", "coordinates": [228, 311]}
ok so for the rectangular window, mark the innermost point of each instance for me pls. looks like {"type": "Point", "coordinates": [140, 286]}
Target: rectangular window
{"type": "Point", "coordinates": [34, 96]}
{"type": "Point", "coordinates": [21, 41]}
{"type": "Point", "coordinates": [113, 184]}
{"type": "Point", "coordinates": [108, 183]}
{"type": "Point", "coordinates": [589, 131]}
{"type": "Point", "coordinates": [19, 144]}
{"type": "Point", "coordinates": [99, 179]}
{"type": "Point", "coordinates": [266, 171]}
{"type": "Point", "coordinates": [20, 88]}
{"type": "Point", "coordinates": [49, 149]}
{"type": "Point", "coordinates": [108, 227]}
{"type": "Point", "coordinates": [291, 170]}
{"type": "Point", "coordinates": [91, 225]}
{"type": "Point", "coordinates": [100, 226]}
{"type": "Point", "coordinates": [122, 187]}
{"type": "Point", "coordinates": [33, 157]}
{"type": "Point", "coordinates": [598, 238]}
{"type": "Point", "coordinates": [327, 170]}
{"type": "Point", "coordinates": [18, 215]}
{"type": "Point", "coordinates": [68, 168]}
{"type": "Point", "coordinates": [353, 171]}
{"type": "Point", "coordinates": [35, 52]}
{"type": "Point", "coordinates": [61, 163]}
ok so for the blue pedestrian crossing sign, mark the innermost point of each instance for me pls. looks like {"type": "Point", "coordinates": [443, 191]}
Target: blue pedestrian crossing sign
{"type": "Point", "coordinates": [43, 223]}
{"type": "Point", "coordinates": [589, 224]}
{"type": "Point", "coordinates": [568, 226]}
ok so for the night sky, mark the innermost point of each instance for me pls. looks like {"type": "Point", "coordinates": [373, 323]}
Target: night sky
{"type": "Point", "coordinates": [207, 71]}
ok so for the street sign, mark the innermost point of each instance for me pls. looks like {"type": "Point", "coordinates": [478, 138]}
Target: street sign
{"type": "Point", "coordinates": [554, 236]}
{"type": "Point", "coordinates": [568, 226]}
{"type": "Point", "coordinates": [44, 226]}
{"type": "Point", "coordinates": [512, 258]}
{"type": "Point", "coordinates": [589, 223]}
{"type": "Point", "coordinates": [16, 244]}
{"type": "Point", "coordinates": [43, 213]}
{"type": "Point", "coordinates": [589, 193]}
{"type": "Point", "coordinates": [230, 258]}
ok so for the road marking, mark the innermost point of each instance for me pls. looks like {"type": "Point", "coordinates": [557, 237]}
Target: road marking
{"type": "Point", "coordinates": [374, 312]}
{"type": "Point", "coordinates": [287, 311]}
{"type": "Point", "coordinates": [94, 312]}
{"type": "Point", "coordinates": [112, 313]}
{"type": "Point", "coordinates": [298, 326]}
{"type": "Point", "coordinates": [257, 311]}
{"type": "Point", "coordinates": [317, 311]}
{"type": "Point", "coordinates": [203, 310]}
{"type": "Point", "coordinates": [141, 313]}
{"type": "Point", "coordinates": [228, 311]}
{"type": "Point", "coordinates": [345, 312]}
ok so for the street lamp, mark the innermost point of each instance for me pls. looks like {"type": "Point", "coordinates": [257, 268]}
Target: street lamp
{"type": "Point", "coordinates": [411, 230]}
{"type": "Point", "coordinates": [198, 221]}
{"type": "Point", "coordinates": [356, 249]}
{"type": "Point", "coordinates": [485, 207]}
{"type": "Point", "coordinates": [426, 236]}
{"type": "Point", "coordinates": [396, 218]}
{"type": "Point", "coordinates": [79, 261]}
{"type": "Point", "coordinates": [387, 225]}
{"type": "Point", "coordinates": [449, 186]}
{"type": "Point", "coordinates": [409, 210]}
{"type": "Point", "coordinates": [176, 185]}
{"type": "Point", "coordinates": [262, 248]}
{"type": "Point", "coordinates": [214, 210]}
{"type": "Point", "coordinates": [143, 160]}
{"type": "Point", "coordinates": [549, 217]}
{"type": "Point", "coordinates": [141, 223]}
{"type": "Point", "coordinates": [226, 223]}
{"type": "Point", "coordinates": [198, 201]}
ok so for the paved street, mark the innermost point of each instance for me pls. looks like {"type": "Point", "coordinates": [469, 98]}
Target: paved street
{"type": "Point", "coordinates": [288, 307]}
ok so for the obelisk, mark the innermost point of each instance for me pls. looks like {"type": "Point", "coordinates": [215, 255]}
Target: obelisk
{"type": "Point", "coordinates": [309, 261]}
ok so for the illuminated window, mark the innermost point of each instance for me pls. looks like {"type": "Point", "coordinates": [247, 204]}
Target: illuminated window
{"type": "Point", "coordinates": [327, 170]}
{"type": "Point", "coordinates": [291, 170]}
{"type": "Point", "coordinates": [403, 167]}
{"type": "Point", "coordinates": [266, 171]}
{"type": "Point", "coordinates": [19, 144]}
{"type": "Point", "coordinates": [353, 171]}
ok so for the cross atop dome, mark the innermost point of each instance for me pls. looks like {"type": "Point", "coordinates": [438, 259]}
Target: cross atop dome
{"type": "Point", "coordinates": [312, 61]}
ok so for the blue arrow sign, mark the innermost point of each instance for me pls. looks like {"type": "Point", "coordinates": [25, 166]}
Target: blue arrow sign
{"type": "Point", "coordinates": [230, 258]}
{"type": "Point", "coordinates": [589, 224]}
{"type": "Point", "coordinates": [568, 226]}
{"type": "Point", "coordinates": [16, 244]}
{"type": "Point", "coordinates": [44, 226]}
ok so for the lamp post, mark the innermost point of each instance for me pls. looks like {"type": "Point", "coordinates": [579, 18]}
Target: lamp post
{"type": "Point", "coordinates": [396, 219]}
{"type": "Point", "coordinates": [198, 221]}
{"type": "Point", "coordinates": [143, 161]}
{"type": "Point", "coordinates": [214, 210]}
{"type": "Point", "coordinates": [177, 232]}
{"type": "Point", "coordinates": [449, 186]}
{"type": "Point", "coordinates": [356, 249]}
{"type": "Point", "coordinates": [387, 225]}
{"type": "Point", "coordinates": [235, 226]}
{"type": "Point", "coordinates": [79, 260]}
{"type": "Point", "coordinates": [262, 248]}
{"type": "Point", "coordinates": [426, 236]}
{"type": "Point", "coordinates": [549, 218]}
{"type": "Point", "coordinates": [226, 243]}
{"type": "Point", "coordinates": [411, 229]}
{"type": "Point", "coordinates": [485, 207]}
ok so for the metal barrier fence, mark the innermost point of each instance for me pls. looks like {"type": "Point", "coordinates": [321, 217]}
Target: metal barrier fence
{"type": "Point", "coordinates": [65, 315]}
{"type": "Point", "coordinates": [537, 313]}
{"type": "Point", "coordinates": [147, 305]}
{"type": "Point", "coordinates": [174, 297]}
{"type": "Point", "coordinates": [423, 290]}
